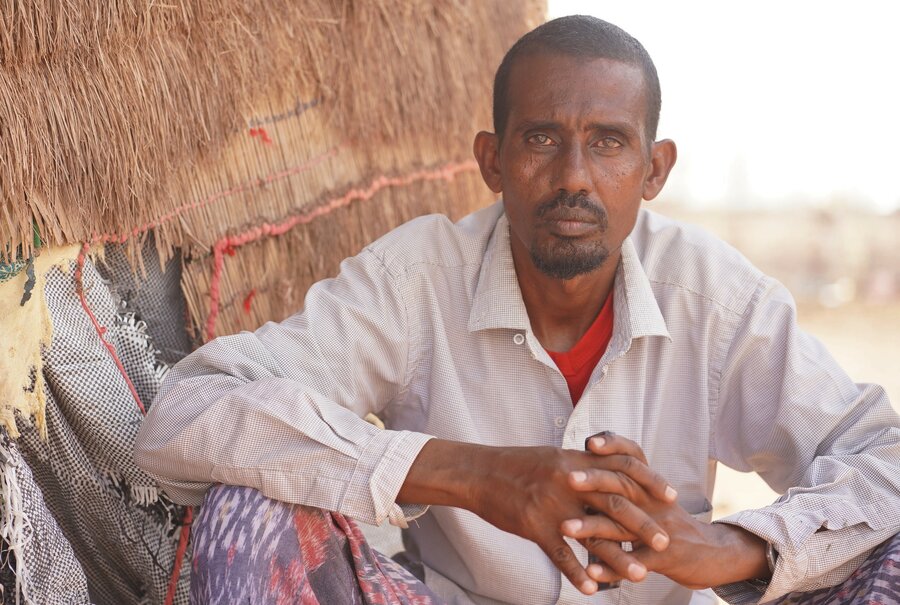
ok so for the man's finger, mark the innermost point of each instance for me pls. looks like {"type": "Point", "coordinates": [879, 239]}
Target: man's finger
{"type": "Point", "coordinates": [605, 577]}
{"type": "Point", "coordinates": [609, 481]}
{"type": "Point", "coordinates": [629, 467]}
{"type": "Point", "coordinates": [616, 563]}
{"type": "Point", "coordinates": [599, 526]}
{"type": "Point", "coordinates": [565, 560]}
{"type": "Point", "coordinates": [629, 516]}
{"type": "Point", "coordinates": [607, 442]}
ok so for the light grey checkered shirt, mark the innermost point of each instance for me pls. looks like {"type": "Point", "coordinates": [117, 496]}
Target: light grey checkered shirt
{"type": "Point", "coordinates": [427, 328]}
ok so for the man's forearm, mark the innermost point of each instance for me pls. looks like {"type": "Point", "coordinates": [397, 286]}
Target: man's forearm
{"type": "Point", "coordinates": [444, 473]}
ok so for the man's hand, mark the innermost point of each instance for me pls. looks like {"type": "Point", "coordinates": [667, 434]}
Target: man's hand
{"type": "Point", "coordinates": [531, 491]}
{"type": "Point", "coordinates": [699, 555]}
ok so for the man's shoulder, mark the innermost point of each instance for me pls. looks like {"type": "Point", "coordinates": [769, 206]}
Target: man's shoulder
{"type": "Point", "coordinates": [680, 255]}
{"type": "Point", "coordinates": [437, 241]}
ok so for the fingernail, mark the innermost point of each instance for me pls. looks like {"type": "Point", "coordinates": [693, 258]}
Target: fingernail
{"type": "Point", "coordinates": [594, 570]}
{"type": "Point", "coordinates": [579, 476]}
{"type": "Point", "coordinates": [598, 442]}
{"type": "Point", "coordinates": [588, 587]}
{"type": "Point", "coordinates": [659, 542]}
{"type": "Point", "coordinates": [572, 526]}
{"type": "Point", "coordinates": [636, 571]}
{"type": "Point", "coordinates": [671, 494]}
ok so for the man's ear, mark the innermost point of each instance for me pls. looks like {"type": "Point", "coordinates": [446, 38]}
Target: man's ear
{"type": "Point", "coordinates": [487, 153]}
{"type": "Point", "coordinates": [662, 158]}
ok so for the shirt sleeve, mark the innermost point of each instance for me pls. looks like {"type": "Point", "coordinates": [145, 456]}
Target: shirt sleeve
{"type": "Point", "coordinates": [281, 410]}
{"type": "Point", "coordinates": [787, 411]}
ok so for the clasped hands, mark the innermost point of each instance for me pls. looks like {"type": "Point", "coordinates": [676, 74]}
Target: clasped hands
{"type": "Point", "coordinates": [605, 496]}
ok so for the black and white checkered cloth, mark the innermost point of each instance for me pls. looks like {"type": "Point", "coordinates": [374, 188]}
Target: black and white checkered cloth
{"type": "Point", "coordinates": [99, 528]}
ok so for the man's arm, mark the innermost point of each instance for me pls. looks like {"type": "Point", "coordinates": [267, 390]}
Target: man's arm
{"type": "Point", "coordinates": [281, 410]}
{"type": "Point", "coordinates": [787, 411]}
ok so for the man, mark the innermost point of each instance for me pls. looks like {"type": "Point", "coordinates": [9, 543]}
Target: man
{"type": "Point", "coordinates": [474, 341]}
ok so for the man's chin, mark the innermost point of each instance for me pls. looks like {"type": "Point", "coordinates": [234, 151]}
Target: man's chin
{"type": "Point", "coordinates": [568, 267]}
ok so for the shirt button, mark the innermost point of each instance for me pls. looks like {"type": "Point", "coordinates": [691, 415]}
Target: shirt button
{"type": "Point", "coordinates": [560, 421]}
{"type": "Point", "coordinates": [519, 339]}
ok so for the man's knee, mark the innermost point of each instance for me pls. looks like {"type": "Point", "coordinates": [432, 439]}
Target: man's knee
{"type": "Point", "coordinates": [239, 527]}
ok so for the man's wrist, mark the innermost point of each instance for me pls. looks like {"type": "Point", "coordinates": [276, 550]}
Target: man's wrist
{"type": "Point", "coordinates": [444, 473]}
{"type": "Point", "coordinates": [745, 553]}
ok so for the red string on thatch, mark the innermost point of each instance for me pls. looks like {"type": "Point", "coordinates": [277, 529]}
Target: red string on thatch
{"type": "Point", "coordinates": [249, 300]}
{"type": "Point", "coordinates": [228, 244]}
{"type": "Point", "coordinates": [121, 238]}
{"type": "Point", "coordinates": [262, 134]}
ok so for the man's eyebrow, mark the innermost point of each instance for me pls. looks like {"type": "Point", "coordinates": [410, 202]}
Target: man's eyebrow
{"type": "Point", "coordinates": [537, 125]}
{"type": "Point", "coordinates": [620, 127]}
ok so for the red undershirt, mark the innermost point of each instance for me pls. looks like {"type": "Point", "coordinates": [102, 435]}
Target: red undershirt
{"type": "Point", "coordinates": [578, 363]}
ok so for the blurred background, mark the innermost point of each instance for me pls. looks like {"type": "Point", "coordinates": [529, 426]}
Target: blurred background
{"type": "Point", "coordinates": [786, 119]}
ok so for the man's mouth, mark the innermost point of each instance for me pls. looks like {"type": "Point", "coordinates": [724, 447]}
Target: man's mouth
{"type": "Point", "coordinates": [572, 216]}
{"type": "Point", "coordinates": [571, 222]}
{"type": "Point", "coordinates": [571, 228]}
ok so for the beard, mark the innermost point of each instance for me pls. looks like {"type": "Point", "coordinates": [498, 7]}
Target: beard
{"type": "Point", "coordinates": [567, 257]}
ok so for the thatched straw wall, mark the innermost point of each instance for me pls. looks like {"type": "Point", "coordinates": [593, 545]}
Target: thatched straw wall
{"type": "Point", "coordinates": [222, 124]}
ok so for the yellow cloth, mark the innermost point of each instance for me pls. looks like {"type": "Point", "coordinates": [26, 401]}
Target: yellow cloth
{"type": "Point", "coordinates": [26, 328]}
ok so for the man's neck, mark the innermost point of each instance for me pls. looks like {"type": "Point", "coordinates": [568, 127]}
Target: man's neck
{"type": "Point", "coordinates": [561, 311]}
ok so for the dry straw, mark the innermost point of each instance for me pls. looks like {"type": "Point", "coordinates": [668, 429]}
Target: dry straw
{"type": "Point", "coordinates": [204, 120]}
{"type": "Point", "coordinates": [108, 110]}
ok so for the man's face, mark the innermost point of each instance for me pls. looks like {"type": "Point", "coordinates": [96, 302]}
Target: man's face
{"type": "Point", "coordinates": [574, 160]}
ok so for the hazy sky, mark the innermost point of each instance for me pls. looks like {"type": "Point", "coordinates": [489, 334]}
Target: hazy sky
{"type": "Point", "coordinates": [773, 103]}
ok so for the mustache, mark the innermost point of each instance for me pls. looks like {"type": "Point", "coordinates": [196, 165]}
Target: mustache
{"type": "Point", "coordinates": [560, 206]}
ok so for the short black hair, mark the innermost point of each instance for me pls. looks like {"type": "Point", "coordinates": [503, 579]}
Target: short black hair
{"type": "Point", "coordinates": [579, 36]}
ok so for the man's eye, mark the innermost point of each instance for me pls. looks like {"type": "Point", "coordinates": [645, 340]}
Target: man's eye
{"type": "Point", "coordinates": [540, 139]}
{"type": "Point", "coordinates": [609, 143]}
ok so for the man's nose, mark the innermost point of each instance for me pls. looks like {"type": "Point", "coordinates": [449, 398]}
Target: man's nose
{"type": "Point", "coordinates": [572, 173]}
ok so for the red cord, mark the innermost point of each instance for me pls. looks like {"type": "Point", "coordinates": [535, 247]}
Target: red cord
{"type": "Point", "coordinates": [189, 512]}
{"type": "Point", "coordinates": [179, 554]}
{"type": "Point", "coordinates": [248, 301]}
{"type": "Point", "coordinates": [121, 238]}
{"type": "Point", "coordinates": [229, 244]}
{"type": "Point", "coordinates": [79, 288]}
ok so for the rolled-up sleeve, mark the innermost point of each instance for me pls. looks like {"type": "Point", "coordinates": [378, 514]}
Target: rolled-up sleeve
{"type": "Point", "coordinates": [281, 410]}
{"type": "Point", "coordinates": [787, 411]}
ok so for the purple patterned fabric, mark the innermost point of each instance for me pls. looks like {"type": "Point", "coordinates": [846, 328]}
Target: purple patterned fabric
{"type": "Point", "coordinates": [875, 582]}
{"type": "Point", "coordinates": [251, 549]}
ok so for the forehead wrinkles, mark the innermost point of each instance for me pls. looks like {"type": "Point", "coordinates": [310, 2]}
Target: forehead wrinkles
{"type": "Point", "coordinates": [577, 91]}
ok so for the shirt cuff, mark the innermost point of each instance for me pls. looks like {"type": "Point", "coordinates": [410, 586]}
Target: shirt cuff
{"type": "Point", "coordinates": [790, 566]}
{"type": "Point", "coordinates": [380, 473]}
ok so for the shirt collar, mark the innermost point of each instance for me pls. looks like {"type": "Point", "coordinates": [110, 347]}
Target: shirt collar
{"type": "Point", "coordinates": [498, 300]}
